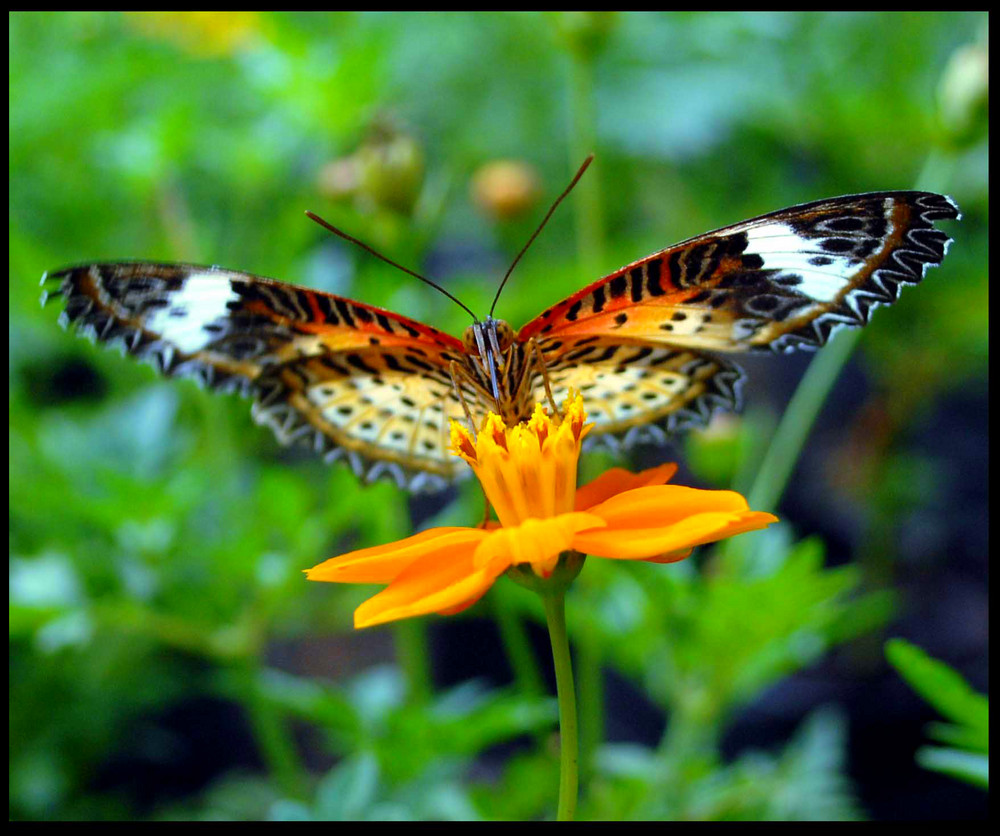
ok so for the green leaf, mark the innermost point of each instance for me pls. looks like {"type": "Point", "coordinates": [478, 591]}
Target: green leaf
{"type": "Point", "coordinates": [961, 737]}
{"type": "Point", "coordinates": [950, 694]}
{"type": "Point", "coordinates": [286, 810]}
{"type": "Point", "coordinates": [970, 767]}
{"type": "Point", "coordinates": [812, 785]}
{"type": "Point", "coordinates": [940, 685]}
{"type": "Point", "coordinates": [348, 789]}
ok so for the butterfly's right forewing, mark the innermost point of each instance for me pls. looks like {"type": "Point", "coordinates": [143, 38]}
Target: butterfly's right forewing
{"type": "Point", "coordinates": [358, 382]}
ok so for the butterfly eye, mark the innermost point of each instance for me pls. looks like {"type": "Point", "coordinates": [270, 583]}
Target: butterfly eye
{"type": "Point", "coordinates": [469, 339]}
{"type": "Point", "coordinates": [505, 335]}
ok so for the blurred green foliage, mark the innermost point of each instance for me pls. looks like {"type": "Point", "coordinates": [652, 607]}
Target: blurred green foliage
{"type": "Point", "coordinates": [967, 756]}
{"type": "Point", "coordinates": [157, 536]}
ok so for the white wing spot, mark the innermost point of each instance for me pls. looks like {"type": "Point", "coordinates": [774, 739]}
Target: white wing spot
{"type": "Point", "coordinates": [783, 249]}
{"type": "Point", "coordinates": [200, 301]}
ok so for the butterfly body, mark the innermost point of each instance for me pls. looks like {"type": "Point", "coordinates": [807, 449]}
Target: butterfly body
{"type": "Point", "coordinates": [646, 346]}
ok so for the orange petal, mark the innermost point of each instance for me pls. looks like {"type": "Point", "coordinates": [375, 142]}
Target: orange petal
{"type": "Point", "coordinates": [463, 606]}
{"type": "Point", "coordinates": [382, 564]}
{"type": "Point", "coordinates": [538, 542]}
{"type": "Point", "coordinates": [656, 541]}
{"type": "Point", "coordinates": [617, 479]}
{"type": "Point", "coordinates": [660, 505]}
{"type": "Point", "coordinates": [437, 582]}
{"type": "Point", "coordinates": [670, 557]}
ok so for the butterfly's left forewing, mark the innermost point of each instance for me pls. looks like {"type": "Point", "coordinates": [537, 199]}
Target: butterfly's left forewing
{"type": "Point", "coordinates": [359, 382]}
{"type": "Point", "coordinates": [780, 281]}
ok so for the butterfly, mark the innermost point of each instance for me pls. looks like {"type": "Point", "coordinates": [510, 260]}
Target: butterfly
{"type": "Point", "coordinates": [647, 346]}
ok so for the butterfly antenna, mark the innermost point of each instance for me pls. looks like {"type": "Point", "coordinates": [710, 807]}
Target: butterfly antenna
{"type": "Point", "coordinates": [364, 246]}
{"type": "Point", "coordinates": [545, 220]}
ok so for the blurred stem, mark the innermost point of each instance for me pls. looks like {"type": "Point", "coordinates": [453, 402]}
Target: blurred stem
{"type": "Point", "coordinates": [689, 747]}
{"type": "Point", "coordinates": [798, 420]}
{"type": "Point", "coordinates": [936, 172]}
{"type": "Point", "coordinates": [591, 701]}
{"type": "Point", "coordinates": [410, 636]}
{"type": "Point", "coordinates": [555, 616]}
{"type": "Point", "coordinates": [276, 746]}
{"type": "Point", "coordinates": [517, 646]}
{"type": "Point", "coordinates": [690, 736]}
{"type": "Point", "coordinates": [877, 552]}
{"type": "Point", "coordinates": [787, 441]}
{"type": "Point", "coordinates": [583, 141]}
{"type": "Point", "coordinates": [175, 217]}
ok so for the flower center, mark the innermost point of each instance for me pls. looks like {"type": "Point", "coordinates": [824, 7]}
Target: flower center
{"type": "Point", "coordinates": [528, 471]}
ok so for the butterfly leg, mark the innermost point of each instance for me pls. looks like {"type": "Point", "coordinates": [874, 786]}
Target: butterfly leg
{"type": "Point", "coordinates": [456, 371]}
{"type": "Point", "coordinates": [540, 361]}
{"type": "Point", "coordinates": [486, 509]}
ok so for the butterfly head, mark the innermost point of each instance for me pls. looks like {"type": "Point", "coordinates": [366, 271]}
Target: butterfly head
{"type": "Point", "coordinates": [491, 336]}
{"type": "Point", "coordinates": [489, 342]}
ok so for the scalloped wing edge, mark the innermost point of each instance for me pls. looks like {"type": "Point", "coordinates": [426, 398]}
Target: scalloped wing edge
{"type": "Point", "coordinates": [726, 395]}
{"type": "Point", "coordinates": [283, 420]}
{"type": "Point", "coordinates": [907, 266]}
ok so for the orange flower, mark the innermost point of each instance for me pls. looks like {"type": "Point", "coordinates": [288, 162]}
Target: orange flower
{"type": "Point", "coordinates": [529, 475]}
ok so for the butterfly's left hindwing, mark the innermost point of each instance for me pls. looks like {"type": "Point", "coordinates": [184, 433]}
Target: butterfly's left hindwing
{"type": "Point", "coordinates": [358, 382]}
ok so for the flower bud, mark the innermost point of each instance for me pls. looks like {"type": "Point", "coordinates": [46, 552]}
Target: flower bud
{"type": "Point", "coordinates": [964, 94]}
{"type": "Point", "coordinates": [505, 189]}
{"type": "Point", "coordinates": [585, 33]}
{"type": "Point", "coordinates": [391, 170]}
{"type": "Point", "coordinates": [339, 179]}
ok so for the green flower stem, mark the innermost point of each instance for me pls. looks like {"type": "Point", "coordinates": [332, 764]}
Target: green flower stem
{"type": "Point", "coordinates": [552, 589]}
{"type": "Point", "coordinates": [555, 615]}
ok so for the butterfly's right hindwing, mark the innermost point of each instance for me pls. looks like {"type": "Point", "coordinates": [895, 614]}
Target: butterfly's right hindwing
{"type": "Point", "coordinates": [640, 393]}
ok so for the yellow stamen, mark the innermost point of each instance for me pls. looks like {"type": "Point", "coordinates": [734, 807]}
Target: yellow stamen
{"type": "Point", "coordinates": [529, 470]}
